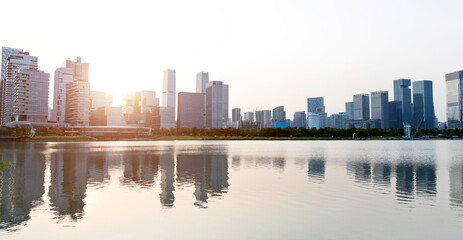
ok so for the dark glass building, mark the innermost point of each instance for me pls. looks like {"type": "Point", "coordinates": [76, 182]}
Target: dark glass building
{"type": "Point", "coordinates": [380, 107]}
{"type": "Point", "coordinates": [403, 95]}
{"type": "Point", "coordinates": [423, 105]}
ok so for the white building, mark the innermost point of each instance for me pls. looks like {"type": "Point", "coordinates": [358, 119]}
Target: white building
{"type": "Point", "coordinates": [167, 112]}
{"type": "Point", "coordinates": [63, 76]}
{"type": "Point", "coordinates": [78, 103]}
{"type": "Point", "coordinates": [313, 120]}
{"type": "Point", "coordinates": [202, 78]}
{"type": "Point", "coordinates": [216, 104]}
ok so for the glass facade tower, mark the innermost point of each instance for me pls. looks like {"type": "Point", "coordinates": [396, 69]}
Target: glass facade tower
{"type": "Point", "coordinates": [403, 95]}
{"type": "Point", "coordinates": [454, 99]}
{"type": "Point", "coordinates": [423, 105]}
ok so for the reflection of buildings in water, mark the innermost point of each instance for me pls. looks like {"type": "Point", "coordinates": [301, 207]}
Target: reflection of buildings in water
{"type": "Point", "coordinates": [263, 162]}
{"type": "Point", "coordinates": [69, 174]}
{"type": "Point", "coordinates": [236, 162]}
{"type": "Point", "coordinates": [426, 180]}
{"type": "Point", "coordinates": [382, 173]}
{"type": "Point", "coordinates": [208, 173]}
{"type": "Point", "coordinates": [167, 168]}
{"type": "Point", "coordinates": [140, 168]}
{"type": "Point", "coordinates": [279, 163]}
{"type": "Point", "coordinates": [405, 182]}
{"type": "Point", "coordinates": [456, 185]}
{"type": "Point", "coordinates": [316, 170]}
{"type": "Point", "coordinates": [97, 169]}
{"type": "Point", "coordinates": [360, 170]}
{"type": "Point", "coordinates": [21, 184]}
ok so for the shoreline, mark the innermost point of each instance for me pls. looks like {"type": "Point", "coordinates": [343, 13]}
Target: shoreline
{"type": "Point", "coordinates": [205, 138]}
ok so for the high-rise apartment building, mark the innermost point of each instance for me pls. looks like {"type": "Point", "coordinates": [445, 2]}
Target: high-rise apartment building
{"type": "Point", "coordinates": [279, 114]}
{"type": "Point", "coordinates": [78, 102]}
{"type": "Point", "coordinates": [216, 104]}
{"type": "Point", "coordinates": [63, 76]}
{"type": "Point", "coordinates": [30, 98]}
{"type": "Point", "coordinates": [15, 61]}
{"type": "Point", "coordinates": [454, 84]}
{"type": "Point", "coordinates": [350, 110]}
{"type": "Point", "coordinates": [190, 110]}
{"type": "Point", "coordinates": [167, 111]}
{"type": "Point", "coordinates": [423, 105]}
{"type": "Point", "coordinates": [300, 119]}
{"type": "Point", "coordinates": [202, 78]}
{"type": "Point", "coordinates": [403, 95]}
{"type": "Point", "coordinates": [361, 107]}
{"type": "Point", "coordinates": [380, 107]}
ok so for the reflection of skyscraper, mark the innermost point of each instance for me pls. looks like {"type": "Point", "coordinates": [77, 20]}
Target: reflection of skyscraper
{"type": "Point", "coordinates": [140, 168]}
{"type": "Point", "coordinates": [426, 180]}
{"type": "Point", "coordinates": [279, 163]}
{"type": "Point", "coordinates": [208, 173]}
{"type": "Point", "coordinates": [456, 185]}
{"type": "Point", "coordinates": [167, 172]}
{"type": "Point", "coordinates": [361, 171]}
{"type": "Point", "coordinates": [316, 169]}
{"type": "Point", "coordinates": [405, 182]}
{"type": "Point", "coordinates": [21, 184]}
{"type": "Point", "coordinates": [382, 173]}
{"type": "Point", "coordinates": [69, 173]}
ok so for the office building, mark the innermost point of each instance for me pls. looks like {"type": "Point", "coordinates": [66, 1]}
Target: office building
{"type": "Point", "coordinates": [100, 103]}
{"type": "Point", "coordinates": [361, 107]}
{"type": "Point", "coordinates": [264, 118]}
{"type": "Point", "coordinates": [216, 104]}
{"type": "Point", "coordinates": [313, 120]}
{"type": "Point", "coordinates": [380, 107]}
{"type": "Point", "coordinates": [78, 103]}
{"type": "Point", "coordinates": [140, 107]}
{"type": "Point", "coordinates": [300, 119]}
{"type": "Point", "coordinates": [236, 114]}
{"type": "Point", "coordinates": [423, 105]}
{"type": "Point", "coordinates": [337, 120]}
{"type": "Point", "coordinates": [315, 105]}
{"type": "Point", "coordinates": [63, 76]}
{"type": "Point", "coordinates": [403, 95]}
{"type": "Point", "coordinates": [395, 115]}
{"type": "Point", "coordinates": [190, 110]}
{"type": "Point", "coordinates": [168, 100]}
{"type": "Point", "coordinates": [15, 61]}
{"type": "Point", "coordinates": [350, 110]}
{"type": "Point", "coordinates": [202, 78]}
{"type": "Point", "coordinates": [279, 114]}
{"type": "Point", "coordinates": [453, 82]}
{"type": "Point", "coordinates": [249, 117]}
{"type": "Point", "coordinates": [30, 100]}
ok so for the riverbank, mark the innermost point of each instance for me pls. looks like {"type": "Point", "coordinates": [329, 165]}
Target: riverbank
{"type": "Point", "coordinates": [49, 139]}
{"type": "Point", "coordinates": [196, 138]}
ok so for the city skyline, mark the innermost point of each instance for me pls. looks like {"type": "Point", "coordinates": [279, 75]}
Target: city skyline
{"type": "Point", "coordinates": [304, 44]}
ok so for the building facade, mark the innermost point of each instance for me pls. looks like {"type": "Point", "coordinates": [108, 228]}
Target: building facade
{"type": "Point", "coordinates": [190, 110]}
{"type": "Point", "coordinates": [423, 105]}
{"type": "Point", "coordinates": [350, 110]}
{"type": "Point", "coordinates": [168, 99]}
{"type": "Point", "coordinates": [78, 102]}
{"type": "Point", "coordinates": [300, 119]}
{"type": "Point", "coordinates": [30, 100]}
{"type": "Point", "coordinates": [279, 114]}
{"type": "Point", "coordinates": [63, 76]}
{"type": "Point", "coordinates": [202, 78]}
{"type": "Point", "coordinates": [403, 95]}
{"type": "Point", "coordinates": [361, 107]}
{"type": "Point", "coordinates": [453, 82]}
{"type": "Point", "coordinates": [264, 118]}
{"type": "Point", "coordinates": [380, 107]}
{"type": "Point", "coordinates": [395, 115]}
{"type": "Point", "coordinates": [216, 104]}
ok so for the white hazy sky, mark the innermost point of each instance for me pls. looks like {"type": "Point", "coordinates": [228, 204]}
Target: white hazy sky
{"type": "Point", "coordinates": [270, 52]}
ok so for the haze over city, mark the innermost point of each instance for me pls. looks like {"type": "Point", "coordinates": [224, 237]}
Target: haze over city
{"type": "Point", "coordinates": [270, 52]}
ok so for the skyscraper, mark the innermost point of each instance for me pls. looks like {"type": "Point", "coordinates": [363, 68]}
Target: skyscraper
{"type": "Point", "coordinates": [190, 110]}
{"type": "Point", "coordinates": [63, 76]}
{"type": "Point", "coordinates": [78, 94]}
{"type": "Point", "coordinates": [264, 118]}
{"type": "Point", "coordinates": [167, 112]}
{"type": "Point", "coordinates": [315, 105]}
{"type": "Point", "coordinates": [403, 95]}
{"type": "Point", "coordinates": [423, 105]}
{"type": "Point", "coordinates": [279, 114]}
{"type": "Point", "coordinates": [30, 100]}
{"type": "Point", "coordinates": [454, 99]}
{"type": "Point", "coordinates": [249, 117]}
{"type": "Point", "coordinates": [380, 107]}
{"type": "Point", "coordinates": [395, 115]}
{"type": "Point", "coordinates": [300, 119]}
{"type": "Point", "coordinates": [202, 78]}
{"type": "Point", "coordinates": [15, 62]}
{"type": "Point", "coordinates": [216, 104]}
{"type": "Point", "coordinates": [361, 107]}
{"type": "Point", "coordinates": [236, 114]}
{"type": "Point", "coordinates": [316, 111]}
{"type": "Point", "coordinates": [350, 110]}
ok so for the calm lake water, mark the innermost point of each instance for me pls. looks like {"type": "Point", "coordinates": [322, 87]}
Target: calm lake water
{"type": "Point", "coordinates": [233, 190]}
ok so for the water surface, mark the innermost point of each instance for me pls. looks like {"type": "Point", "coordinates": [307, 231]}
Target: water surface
{"type": "Point", "coordinates": [233, 190]}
